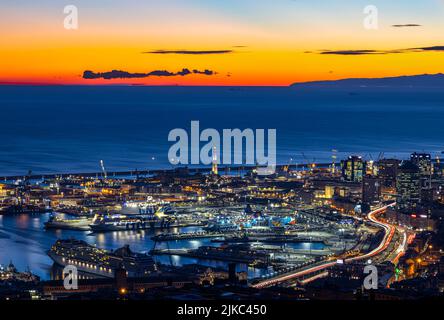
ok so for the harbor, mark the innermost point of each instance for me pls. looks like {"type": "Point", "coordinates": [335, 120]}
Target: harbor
{"type": "Point", "coordinates": [297, 222]}
{"type": "Point", "coordinates": [172, 246]}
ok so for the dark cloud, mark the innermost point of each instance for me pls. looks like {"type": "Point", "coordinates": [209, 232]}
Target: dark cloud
{"type": "Point", "coordinates": [352, 52]}
{"type": "Point", "coordinates": [406, 25]}
{"type": "Point", "coordinates": [371, 51]}
{"type": "Point", "coordinates": [205, 72]}
{"type": "Point", "coordinates": [434, 48]}
{"type": "Point", "coordinates": [193, 52]}
{"type": "Point", "coordinates": [118, 74]}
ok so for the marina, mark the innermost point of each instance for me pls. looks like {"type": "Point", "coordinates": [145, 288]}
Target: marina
{"type": "Point", "coordinates": [175, 239]}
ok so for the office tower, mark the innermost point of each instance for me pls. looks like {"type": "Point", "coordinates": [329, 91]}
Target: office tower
{"type": "Point", "coordinates": [371, 190]}
{"type": "Point", "coordinates": [408, 186]}
{"type": "Point", "coordinates": [424, 162]}
{"type": "Point", "coordinates": [353, 169]}
{"type": "Point", "coordinates": [387, 171]}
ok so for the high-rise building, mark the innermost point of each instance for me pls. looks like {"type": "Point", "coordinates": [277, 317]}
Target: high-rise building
{"type": "Point", "coordinates": [353, 169]}
{"type": "Point", "coordinates": [424, 162]}
{"type": "Point", "coordinates": [371, 190]}
{"type": "Point", "coordinates": [371, 168]}
{"type": "Point", "coordinates": [408, 186]}
{"type": "Point", "coordinates": [387, 171]}
{"type": "Point", "coordinates": [429, 195]}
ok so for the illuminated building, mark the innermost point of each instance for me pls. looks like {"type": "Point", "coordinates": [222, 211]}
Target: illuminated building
{"type": "Point", "coordinates": [353, 169]}
{"type": "Point", "coordinates": [429, 195]}
{"type": "Point", "coordinates": [387, 171]}
{"type": "Point", "coordinates": [329, 192]}
{"type": "Point", "coordinates": [6, 191]}
{"type": "Point", "coordinates": [371, 190]}
{"type": "Point", "coordinates": [408, 186]}
{"type": "Point", "coordinates": [371, 168]}
{"type": "Point", "coordinates": [420, 222]}
{"type": "Point", "coordinates": [342, 192]}
{"type": "Point", "coordinates": [424, 162]}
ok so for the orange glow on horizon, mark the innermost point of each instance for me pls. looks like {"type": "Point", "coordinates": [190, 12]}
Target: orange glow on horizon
{"type": "Point", "coordinates": [277, 53]}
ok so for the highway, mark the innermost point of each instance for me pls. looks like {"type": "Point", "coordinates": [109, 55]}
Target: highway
{"type": "Point", "coordinates": [388, 236]}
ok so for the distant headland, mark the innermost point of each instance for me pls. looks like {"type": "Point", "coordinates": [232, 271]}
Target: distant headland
{"type": "Point", "coordinates": [416, 81]}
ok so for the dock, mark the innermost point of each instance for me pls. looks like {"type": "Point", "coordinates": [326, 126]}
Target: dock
{"type": "Point", "coordinates": [249, 257]}
{"type": "Point", "coordinates": [186, 236]}
{"type": "Point", "coordinates": [134, 173]}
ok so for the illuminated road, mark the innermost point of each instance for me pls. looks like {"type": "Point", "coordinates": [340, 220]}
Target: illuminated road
{"type": "Point", "coordinates": [407, 239]}
{"type": "Point", "coordinates": [389, 231]}
{"type": "Point", "coordinates": [388, 236]}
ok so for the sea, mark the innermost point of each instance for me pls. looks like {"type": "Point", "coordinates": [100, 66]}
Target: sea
{"type": "Point", "coordinates": [60, 129]}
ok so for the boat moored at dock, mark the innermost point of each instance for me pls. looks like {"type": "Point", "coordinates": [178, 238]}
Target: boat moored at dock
{"type": "Point", "coordinates": [56, 222]}
{"type": "Point", "coordinates": [161, 219]}
{"type": "Point", "coordinates": [89, 259]}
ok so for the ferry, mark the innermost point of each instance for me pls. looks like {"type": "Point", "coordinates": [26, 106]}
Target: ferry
{"type": "Point", "coordinates": [149, 206]}
{"type": "Point", "coordinates": [56, 222]}
{"type": "Point", "coordinates": [100, 262]}
{"type": "Point", "coordinates": [141, 204]}
{"type": "Point", "coordinates": [222, 225]}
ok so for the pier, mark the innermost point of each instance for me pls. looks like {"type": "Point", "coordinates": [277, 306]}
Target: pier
{"type": "Point", "coordinates": [250, 257]}
{"type": "Point", "coordinates": [133, 173]}
{"type": "Point", "coordinates": [280, 240]}
{"type": "Point", "coordinates": [236, 237]}
{"type": "Point", "coordinates": [186, 236]}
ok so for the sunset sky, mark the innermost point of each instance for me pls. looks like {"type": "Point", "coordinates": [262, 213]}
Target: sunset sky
{"type": "Point", "coordinates": [217, 42]}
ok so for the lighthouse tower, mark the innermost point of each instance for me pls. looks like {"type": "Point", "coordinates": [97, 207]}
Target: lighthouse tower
{"type": "Point", "coordinates": [214, 169]}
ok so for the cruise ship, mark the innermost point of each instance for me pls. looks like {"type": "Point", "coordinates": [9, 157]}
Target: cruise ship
{"type": "Point", "coordinates": [103, 263]}
{"type": "Point", "coordinates": [161, 219]}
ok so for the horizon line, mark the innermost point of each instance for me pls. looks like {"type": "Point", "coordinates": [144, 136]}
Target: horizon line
{"type": "Point", "coordinates": [47, 84]}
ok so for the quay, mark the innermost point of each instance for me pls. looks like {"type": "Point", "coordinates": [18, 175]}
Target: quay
{"type": "Point", "coordinates": [249, 257]}
{"type": "Point", "coordinates": [236, 237]}
{"type": "Point", "coordinates": [282, 240]}
{"type": "Point", "coordinates": [136, 172]}
{"type": "Point", "coordinates": [186, 236]}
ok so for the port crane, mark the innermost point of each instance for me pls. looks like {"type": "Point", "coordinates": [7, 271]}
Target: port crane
{"type": "Point", "coordinates": [306, 160]}
{"type": "Point", "coordinates": [168, 247]}
{"type": "Point", "coordinates": [102, 166]}
{"type": "Point", "coordinates": [310, 166]}
{"type": "Point", "coordinates": [381, 156]}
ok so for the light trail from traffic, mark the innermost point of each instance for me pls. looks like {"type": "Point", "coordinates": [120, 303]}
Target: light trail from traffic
{"type": "Point", "coordinates": [388, 237]}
